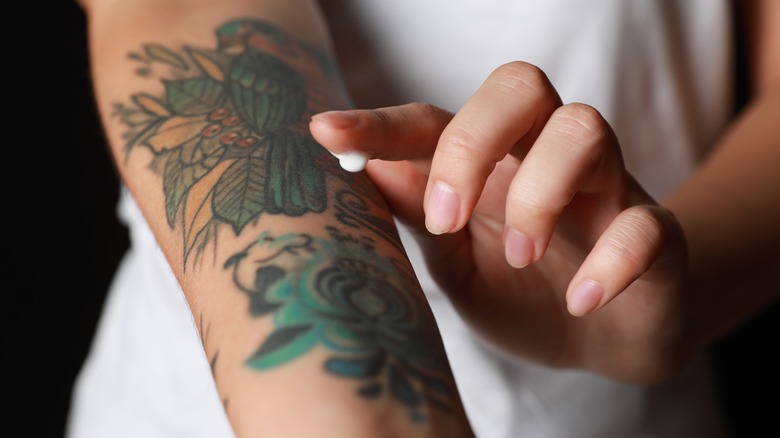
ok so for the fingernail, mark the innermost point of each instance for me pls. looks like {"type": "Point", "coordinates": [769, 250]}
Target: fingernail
{"type": "Point", "coordinates": [585, 298]}
{"type": "Point", "coordinates": [442, 209]}
{"type": "Point", "coordinates": [518, 249]}
{"type": "Point", "coordinates": [336, 119]}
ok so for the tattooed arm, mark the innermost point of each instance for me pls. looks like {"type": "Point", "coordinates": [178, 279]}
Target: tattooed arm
{"type": "Point", "coordinates": [306, 303]}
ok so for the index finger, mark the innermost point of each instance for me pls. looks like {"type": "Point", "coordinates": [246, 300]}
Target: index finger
{"type": "Point", "coordinates": [504, 116]}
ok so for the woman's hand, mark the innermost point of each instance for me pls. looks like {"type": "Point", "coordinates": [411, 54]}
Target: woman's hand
{"type": "Point", "coordinates": [531, 223]}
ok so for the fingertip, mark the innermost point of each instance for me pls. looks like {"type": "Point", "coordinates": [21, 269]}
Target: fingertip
{"type": "Point", "coordinates": [585, 298]}
{"type": "Point", "coordinates": [518, 248]}
{"type": "Point", "coordinates": [334, 130]}
{"type": "Point", "coordinates": [441, 209]}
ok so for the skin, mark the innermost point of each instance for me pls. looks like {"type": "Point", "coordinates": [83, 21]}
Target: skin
{"type": "Point", "coordinates": [551, 250]}
{"type": "Point", "coordinates": [588, 223]}
{"type": "Point", "coordinates": [305, 302]}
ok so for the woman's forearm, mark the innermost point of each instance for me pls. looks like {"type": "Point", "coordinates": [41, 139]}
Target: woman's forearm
{"type": "Point", "coordinates": [729, 209]}
{"type": "Point", "coordinates": [730, 213]}
{"type": "Point", "coordinates": [308, 309]}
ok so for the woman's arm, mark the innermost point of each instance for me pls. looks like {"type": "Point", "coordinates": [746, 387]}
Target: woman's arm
{"type": "Point", "coordinates": [308, 309]}
{"type": "Point", "coordinates": [730, 209]}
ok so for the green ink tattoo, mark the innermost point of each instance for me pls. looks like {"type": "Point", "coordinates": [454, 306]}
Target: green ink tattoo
{"type": "Point", "coordinates": [337, 292]}
{"type": "Point", "coordinates": [230, 138]}
{"type": "Point", "coordinates": [231, 133]}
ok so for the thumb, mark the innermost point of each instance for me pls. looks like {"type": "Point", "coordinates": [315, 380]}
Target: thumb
{"type": "Point", "coordinates": [399, 139]}
{"type": "Point", "coordinates": [405, 132]}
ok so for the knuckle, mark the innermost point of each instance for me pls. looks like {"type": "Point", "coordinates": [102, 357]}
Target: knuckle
{"type": "Point", "coordinates": [520, 69]}
{"type": "Point", "coordinates": [426, 110]}
{"type": "Point", "coordinates": [379, 116]}
{"type": "Point", "coordinates": [464, 146]}
{"type": "Point", "coordinates": [531, 200]}
{"type": "Point", "coordinates": [637, 242]}
{"type": "Point", "coordinates": [582, 121]}
{"type": "Point", "coordinates": [518, 76]}
{"type": "Point", "coordinates": [429, 115]}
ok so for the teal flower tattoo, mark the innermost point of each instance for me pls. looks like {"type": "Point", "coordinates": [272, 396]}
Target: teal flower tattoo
{"type": "Point", "coordinates": [339, 293]}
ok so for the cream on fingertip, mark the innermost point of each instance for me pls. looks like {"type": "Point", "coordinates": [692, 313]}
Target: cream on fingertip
{"type": "Point", "coordinates": [352, 161]}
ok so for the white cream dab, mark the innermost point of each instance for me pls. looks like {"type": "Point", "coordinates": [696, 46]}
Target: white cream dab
{"type": "Point", "coordinates": [352, 161]}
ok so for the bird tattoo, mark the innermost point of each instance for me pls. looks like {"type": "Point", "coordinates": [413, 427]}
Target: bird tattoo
{"type": "Point", "coordinates": [266, 85]}
{"type": "Point", "coordinates": [231, 135]}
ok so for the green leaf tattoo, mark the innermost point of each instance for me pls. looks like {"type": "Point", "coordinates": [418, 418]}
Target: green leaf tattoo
{"type": "Point", "coordinates": [239, 195]}
{"type": "Point", "coordinates": [191, 97]}
{"type": "Point", "coordinates": [231, 131]}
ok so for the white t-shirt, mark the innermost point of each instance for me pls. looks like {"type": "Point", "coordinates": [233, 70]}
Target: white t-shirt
{"type": "Point", "coordinates": [659, 72]}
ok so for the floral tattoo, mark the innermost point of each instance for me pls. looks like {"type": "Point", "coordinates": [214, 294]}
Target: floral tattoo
{"type": "Point", "coordinates": [339, 293]}
{"type": "Point", "coordinates": [229, 136]}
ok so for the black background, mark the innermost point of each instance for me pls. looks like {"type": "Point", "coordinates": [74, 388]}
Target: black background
{"type": "Point", "coordinates": [65, 242]}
